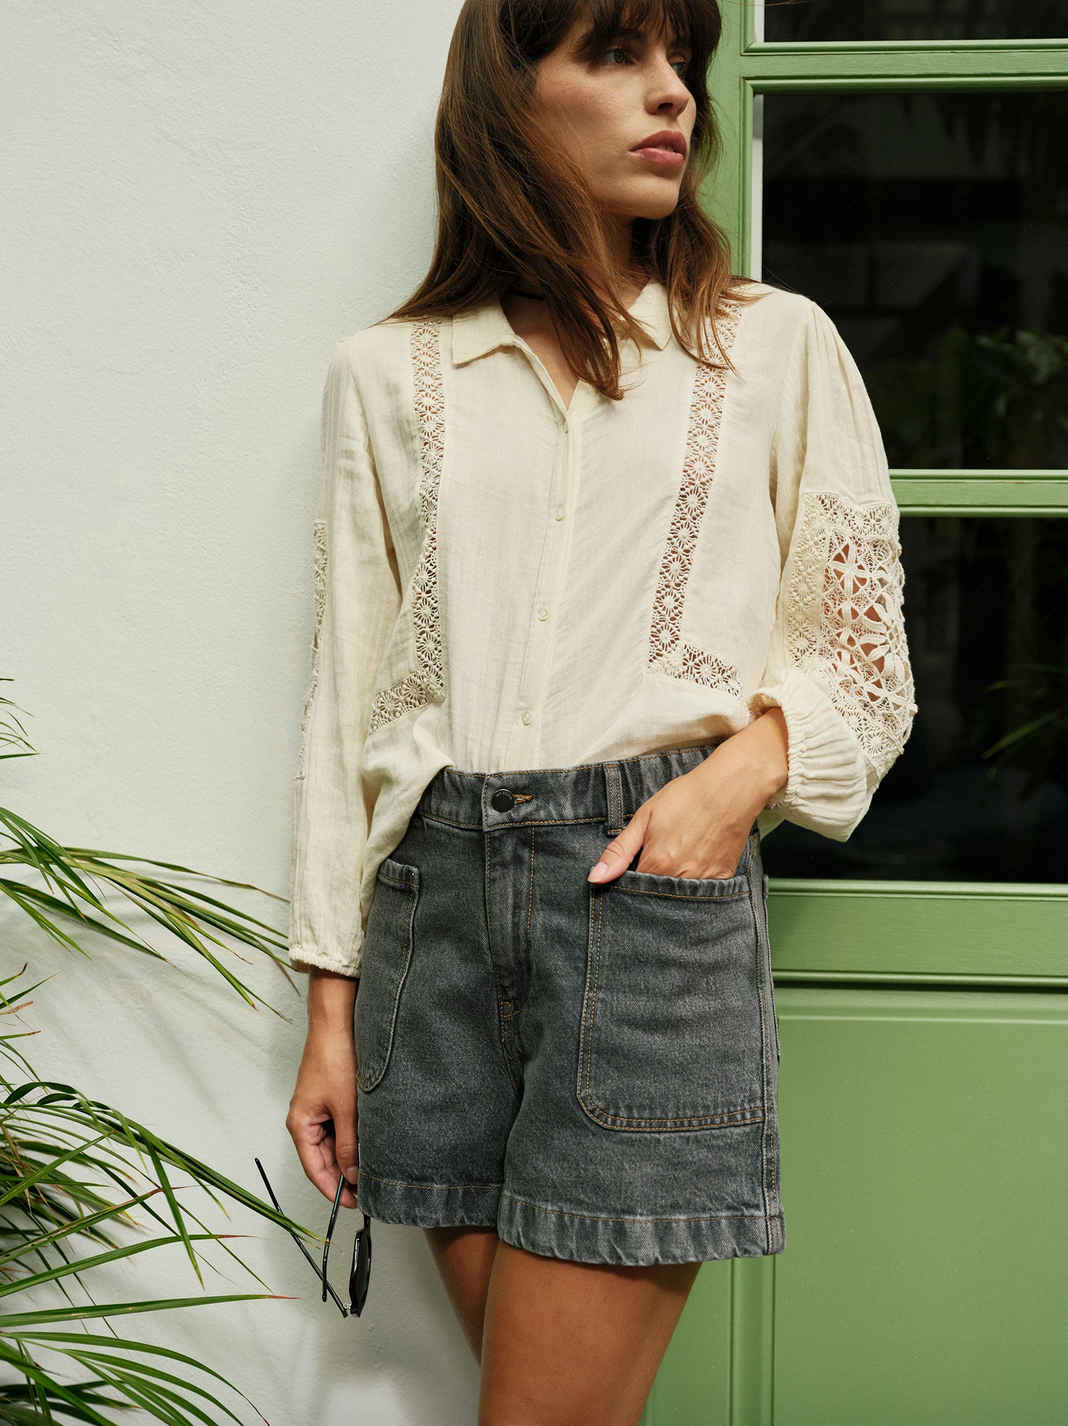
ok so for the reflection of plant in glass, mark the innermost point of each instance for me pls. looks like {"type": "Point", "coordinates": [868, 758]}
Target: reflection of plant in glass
{"type": "Point", "coordinates": [72, 1169]}
{"type": "Point", "coordinates": [986, 399]}
{"type": "Point", "coordinates": [1040, 745]}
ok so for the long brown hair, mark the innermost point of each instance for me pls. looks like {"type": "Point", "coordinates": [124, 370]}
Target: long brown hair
{"type": "Point", "coordinates": [515, 211]}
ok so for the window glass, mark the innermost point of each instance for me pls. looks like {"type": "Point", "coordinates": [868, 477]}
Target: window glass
{"type": "Point", "coordinates": [981, 791]}
{"type": "Point", "coordinates": [933, 228]}
{"type": "Point", "coordinates": [915, 19]}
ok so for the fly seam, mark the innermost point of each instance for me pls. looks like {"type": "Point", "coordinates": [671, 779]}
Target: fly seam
{"type": "Point", "coordinates": [493, 961]}
{"type": "Point", "coordinates": [530, 908]}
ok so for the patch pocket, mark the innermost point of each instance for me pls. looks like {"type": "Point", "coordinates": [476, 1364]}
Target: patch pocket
{"type": "Point", "coordinates": [672, 1034]}
{"type": "Point", "coordinates": [387, 954]}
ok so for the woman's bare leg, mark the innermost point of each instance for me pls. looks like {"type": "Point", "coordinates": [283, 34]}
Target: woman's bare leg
{"type": "Point", "coordinates": [574, 1344]}
{"type": "Point", "coordinates": [465, 1257]}
{"type": "Point", "coordinates": [561, 1343]}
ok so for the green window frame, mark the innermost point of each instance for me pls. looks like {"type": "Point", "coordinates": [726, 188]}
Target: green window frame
{"type": "Point", "coordinates": [920, 946]}
{"type": "Point", "coordinates": [844, 932]}
{"type": "Point", "coordinates": [935, 940]}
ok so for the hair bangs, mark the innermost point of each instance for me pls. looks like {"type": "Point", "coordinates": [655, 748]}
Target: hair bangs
{"type": "Point", "coordinates": [695, 23]}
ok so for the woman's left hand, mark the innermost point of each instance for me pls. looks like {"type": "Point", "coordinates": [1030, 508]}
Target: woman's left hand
{"type": "Point", "coordinates": [697, 824]}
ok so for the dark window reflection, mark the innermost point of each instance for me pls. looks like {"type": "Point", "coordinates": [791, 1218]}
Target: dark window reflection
{"type": "Point", "coordinates": [981, 791]}
{"type": "Point", "coordinates": [933, 228]}
{"type": "Point", "coordinates": [915, 19]}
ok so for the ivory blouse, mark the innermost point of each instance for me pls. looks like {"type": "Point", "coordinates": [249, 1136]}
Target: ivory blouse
{"type": "Point", "coordinates": [505, 583]}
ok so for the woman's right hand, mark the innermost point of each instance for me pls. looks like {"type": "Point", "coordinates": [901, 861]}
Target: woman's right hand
{"type": "Point", "coordinates": [323, 1109]}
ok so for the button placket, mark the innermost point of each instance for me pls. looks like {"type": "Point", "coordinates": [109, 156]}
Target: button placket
{"type": "Point", "coordinates": [524, 742]}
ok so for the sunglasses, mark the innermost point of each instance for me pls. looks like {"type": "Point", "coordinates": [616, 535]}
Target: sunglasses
{"type": "Point", "coordinates": [360, 1269]}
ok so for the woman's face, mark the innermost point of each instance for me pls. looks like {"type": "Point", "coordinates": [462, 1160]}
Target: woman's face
{"type": "Point", "coordinates": [624, 115]}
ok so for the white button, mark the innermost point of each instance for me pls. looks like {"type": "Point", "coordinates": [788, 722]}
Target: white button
{"type": "Point", "coordinates": [543, 613]}
{"type": "Point", "coordinates": [558, 513]}
{"type": "Point", "coordinates": [527, 715]}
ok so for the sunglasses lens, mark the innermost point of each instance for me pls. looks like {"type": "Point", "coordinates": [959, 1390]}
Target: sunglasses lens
{"type": "Point", "coordinates": [361, 1270]}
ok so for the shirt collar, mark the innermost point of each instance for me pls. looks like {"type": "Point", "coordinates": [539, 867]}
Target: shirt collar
{"type": "Point", "coordinates": [651, 310]}
{"type": "Point", "coordinates": [483, 329]}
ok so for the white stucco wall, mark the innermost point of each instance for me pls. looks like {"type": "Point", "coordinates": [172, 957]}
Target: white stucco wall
{"type": "Point", "coordinates": [198, 201]}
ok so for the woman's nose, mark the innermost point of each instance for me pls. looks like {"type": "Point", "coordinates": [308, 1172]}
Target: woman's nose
{"type": "Point", "coordinates": [668, 94]}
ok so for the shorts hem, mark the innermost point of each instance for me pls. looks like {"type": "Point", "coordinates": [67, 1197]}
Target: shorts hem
{"type": "Point", "coordinates": [636, 1241]}
{"type": "Point", "coordinates": [428, 1205]}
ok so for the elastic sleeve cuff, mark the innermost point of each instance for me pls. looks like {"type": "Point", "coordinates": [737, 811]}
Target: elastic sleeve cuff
{"type": "Point", "coordinates": [829, 783]}
{"type": "Point", "coordinates": [302, 957]}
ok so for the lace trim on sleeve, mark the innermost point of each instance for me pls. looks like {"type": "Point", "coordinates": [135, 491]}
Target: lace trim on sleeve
{"type": "Point", "coordinates": [844, 618]}
{"type": "Point", "coordinates": [426, 683]}
{"type": "Point", "coordinates": [319, 539]}
{"type": "Point", "coordinates": [668, 652]}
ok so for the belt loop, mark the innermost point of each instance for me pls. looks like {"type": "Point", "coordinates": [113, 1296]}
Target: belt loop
{"type": "Point", "coordinates": [613, 787]}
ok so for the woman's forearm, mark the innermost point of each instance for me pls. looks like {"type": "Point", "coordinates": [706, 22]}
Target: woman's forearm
{"type": "Point", "coordinates": [331, 1001]}
{"type": "Point", "coordinates": [759, 756]}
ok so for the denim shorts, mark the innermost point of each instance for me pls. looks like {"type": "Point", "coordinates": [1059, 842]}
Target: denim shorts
{"type": "Point", "coordinates": [590, 1069]}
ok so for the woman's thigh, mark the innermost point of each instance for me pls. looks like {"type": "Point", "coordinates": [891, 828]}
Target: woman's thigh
{"type": "Point", "coordinates": [575, 1344]}
{"type": "Point", "coordinates": [464, 1257]}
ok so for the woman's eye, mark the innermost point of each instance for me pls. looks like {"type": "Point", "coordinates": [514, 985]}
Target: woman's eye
{"type": "Point", "coordinates": [620, 54]}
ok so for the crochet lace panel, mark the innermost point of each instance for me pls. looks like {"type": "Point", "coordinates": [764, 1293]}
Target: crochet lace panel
{"type": "Point", "coordinates": [319, 539]}
{"type": "Point", "coordinates": [844, 618]}
{"type": "Point", "coordinates": [668, 652]}
{"type": "Point", "coordinates": [426, 683]}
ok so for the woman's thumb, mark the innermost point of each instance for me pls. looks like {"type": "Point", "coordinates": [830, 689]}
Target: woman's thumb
{"type": "Point", "coordinates": [619, 852]}
{"type": "Point", "coordinates": [345, 1146]}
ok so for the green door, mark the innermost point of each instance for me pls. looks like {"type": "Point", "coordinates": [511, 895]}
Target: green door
{"type": "Point", "coordinates": [905, 163]}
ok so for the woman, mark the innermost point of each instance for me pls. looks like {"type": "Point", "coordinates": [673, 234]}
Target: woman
{"type": "Point", "coordinates": [608, 585]}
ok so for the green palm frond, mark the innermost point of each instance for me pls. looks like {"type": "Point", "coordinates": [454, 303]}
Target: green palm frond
{"type": "Point", "coordinates": [74, 895]}
{"type": "Point", "coordinates": [12, 733]}
{"type": "Point", "coordinates": [76, 1177]}
{"type": "Point", "coordinates": [84, 1187]}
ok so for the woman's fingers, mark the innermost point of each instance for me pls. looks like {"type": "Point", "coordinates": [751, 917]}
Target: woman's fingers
{"type": "Point", "coordinates": [314, 1130]}
{"type": "Point", "coordinates": [695, 826]}
{"type": "Point", "coordinates": [619, 852]}
{"type": "Point", "coordinates": [345, 1145]}
{"type": "Point", "coordinates": [314, 1138]}
{"type": "Point", "coordinates": [322, 1113]}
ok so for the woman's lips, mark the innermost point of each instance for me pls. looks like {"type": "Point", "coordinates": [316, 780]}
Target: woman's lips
{"type": "Point", "coordinates": [668, 157]}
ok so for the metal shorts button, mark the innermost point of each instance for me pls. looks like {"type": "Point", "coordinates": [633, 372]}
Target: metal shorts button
{"type": "Point", "coordinates": [502, 800]}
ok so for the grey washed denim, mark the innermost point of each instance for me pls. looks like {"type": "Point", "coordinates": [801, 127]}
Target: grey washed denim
{"type": "Point", "coordinates": [589, 1068]}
